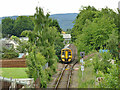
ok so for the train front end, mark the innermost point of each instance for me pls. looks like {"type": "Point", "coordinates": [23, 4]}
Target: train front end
{"type": "Point", "coordinates": [66, 55]}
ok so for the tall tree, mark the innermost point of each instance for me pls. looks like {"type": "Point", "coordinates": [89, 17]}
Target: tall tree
{"type": "Point", "coordinates": [22, 23]}
{"type": "Point", "coordinates": [7, 26]}
{"type": "Point", "coordinates": [42, 41]}
{"type": "Point", "coordinates": [85, 13]}
{"type": "Point", "coordinates": [93, 30]}
{"type": "Point", "coordinates": [55, 23]}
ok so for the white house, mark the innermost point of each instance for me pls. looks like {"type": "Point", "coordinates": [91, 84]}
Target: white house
{"type": "Point", "coordinates": [66, 37]}
{"type": "Point", "coordinates": [8, 42]}
{"type": "Point", "coordinates": [14, 43]}
{"type": "Point", "coordinates": [24, 38]}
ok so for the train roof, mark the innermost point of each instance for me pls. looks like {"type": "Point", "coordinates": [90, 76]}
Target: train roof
{"type": "Point", "coordinates": [66, 46]}
{"type": "Point", "coordinates": [66, 49]}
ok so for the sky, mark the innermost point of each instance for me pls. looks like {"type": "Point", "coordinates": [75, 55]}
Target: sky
{"type": "Point", "coordinates": [27, 7]}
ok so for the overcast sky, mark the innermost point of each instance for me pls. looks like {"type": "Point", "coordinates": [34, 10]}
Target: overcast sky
{"type": "Point", "coordinates": [27, 7]}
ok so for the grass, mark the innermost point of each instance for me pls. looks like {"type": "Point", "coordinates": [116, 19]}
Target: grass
{"type": "Point", "coordinates": [13, 72]}
{"type": "Point", "coordinates": [88, 78]}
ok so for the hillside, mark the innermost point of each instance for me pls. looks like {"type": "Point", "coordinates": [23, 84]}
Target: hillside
{"type": "Point", "coordinates": [65, 20]}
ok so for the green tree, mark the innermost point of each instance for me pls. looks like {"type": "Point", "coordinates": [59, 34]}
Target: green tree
{"type": "Point", "coordinates": [68, 31]}
{"type": "Point", "coordinates": [35, 62]}
{"type": "Point", "coordinates": [54, 23]}
{"type": "Point", "coordinates": [85, 13]}
{"type": "Point", "coordinates": [22, 23]}
{"type": "Point", "coordinates": [112, 43]}
{"type": "Point", "coordinates": [92, 31]}
{"type": "Point", "coordinates": [42, 40]}
{"type": "Point", "coordinates": [7, 26]}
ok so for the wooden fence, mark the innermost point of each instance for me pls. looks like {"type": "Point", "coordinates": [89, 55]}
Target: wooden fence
{"type": "Point", "coordinates": [13, 63]}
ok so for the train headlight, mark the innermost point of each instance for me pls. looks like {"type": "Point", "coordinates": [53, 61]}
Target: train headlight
{"type": "Point", "coordinates": [63, 59]}
{"type": "Point", "coordinates": [62, 55]}
{"type": "Point", "coordinates": [69, 59]}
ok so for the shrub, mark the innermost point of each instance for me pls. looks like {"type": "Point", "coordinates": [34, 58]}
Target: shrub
{"type": "Point", "coordinates": [49, 73]}
{"type": "Point", "coordinates": [101, 62]}
{"type": "Point", "coordinates": [111, 79]}
{"type": "Point", "coordinates": [10, 55]}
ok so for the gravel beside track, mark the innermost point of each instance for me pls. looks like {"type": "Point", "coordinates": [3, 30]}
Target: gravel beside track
{"type": "Point", "coordinates": [64, 79]}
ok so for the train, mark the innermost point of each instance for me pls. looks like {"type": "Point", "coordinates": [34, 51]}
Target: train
{"type": "Point", "coordinates": [69, 54]}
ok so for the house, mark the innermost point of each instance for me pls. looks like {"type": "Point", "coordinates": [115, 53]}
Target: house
{"type": "Point", "coordinates": [66, 37]}
{"type": "Point", "coordinates": [5, 43]}
{"type": "Point", "coordinates": [14, 43]}
{"type": "Point", "coordinates": [9, 43]}
{"type": "Point", "coordinates": [24, 38]}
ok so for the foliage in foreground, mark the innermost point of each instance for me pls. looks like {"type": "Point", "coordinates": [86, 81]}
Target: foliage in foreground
{"type": "Point", "coordinates": [99, 66]}
{"type": "Point", "coordinates": [111, 79]}
{"type": "Point", "coordinates": [43, 41]}
{"type": "Point", "coordinates": [107, 70]}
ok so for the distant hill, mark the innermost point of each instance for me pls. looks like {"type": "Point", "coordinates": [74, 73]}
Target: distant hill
{"type": "Point", "coordinates": [65, 20]}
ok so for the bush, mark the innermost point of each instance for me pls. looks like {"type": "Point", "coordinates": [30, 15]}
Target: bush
{"type": "Point", "coordinates": [49, 73]}
{"type": "Point", "coordinates": [10, 55]}
{"type": "Point", "coordinates": [102, 61]}
{"type": "Point", "coordinates": [111, 79]}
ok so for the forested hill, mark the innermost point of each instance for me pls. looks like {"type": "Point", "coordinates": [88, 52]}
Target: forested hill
{"type": "Point", "coordinates": [65, 20]}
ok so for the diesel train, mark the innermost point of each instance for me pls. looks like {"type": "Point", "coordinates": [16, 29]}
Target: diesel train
{"type": "Point", "coordinates": [69, 54]}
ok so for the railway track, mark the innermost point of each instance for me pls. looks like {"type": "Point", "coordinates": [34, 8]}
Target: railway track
{"type": "Point", "coordinates": [64, 78]}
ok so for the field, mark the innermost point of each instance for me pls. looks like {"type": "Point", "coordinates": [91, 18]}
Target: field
{"type": "Point", "coordinates": [13, 72]}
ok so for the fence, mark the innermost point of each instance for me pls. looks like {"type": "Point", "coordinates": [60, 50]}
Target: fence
{"type": "Point", "coordinates": [7, 83]}
{"type": "Point", "coordinates": [13, 63]}
{"type": "Point", "coordinates": [16, 63]}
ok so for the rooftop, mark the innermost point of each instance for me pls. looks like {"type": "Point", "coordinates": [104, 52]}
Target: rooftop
{"type": "Point", "coordinates": [66, 36]}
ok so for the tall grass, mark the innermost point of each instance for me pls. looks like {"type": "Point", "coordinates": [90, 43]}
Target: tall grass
{"type": "Point", "coordinates": [88, 78]}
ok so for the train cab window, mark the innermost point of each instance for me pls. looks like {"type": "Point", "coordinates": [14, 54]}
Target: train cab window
{"type": "Point", "coordinates": [63, 53]}
{"type": "Point", "coordinates": [69, 53]}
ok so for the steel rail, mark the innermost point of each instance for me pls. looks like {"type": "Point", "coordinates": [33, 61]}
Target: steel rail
{"type": "Point", "coordinates": [61, 76]}
{"type": "Point", "coordinates": [69, 77]}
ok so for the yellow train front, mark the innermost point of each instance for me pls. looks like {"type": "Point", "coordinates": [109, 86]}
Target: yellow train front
{"type": "Point", "coordinates": [66, 55]}
{"type": "Point", "coordinates": [69, 54]}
